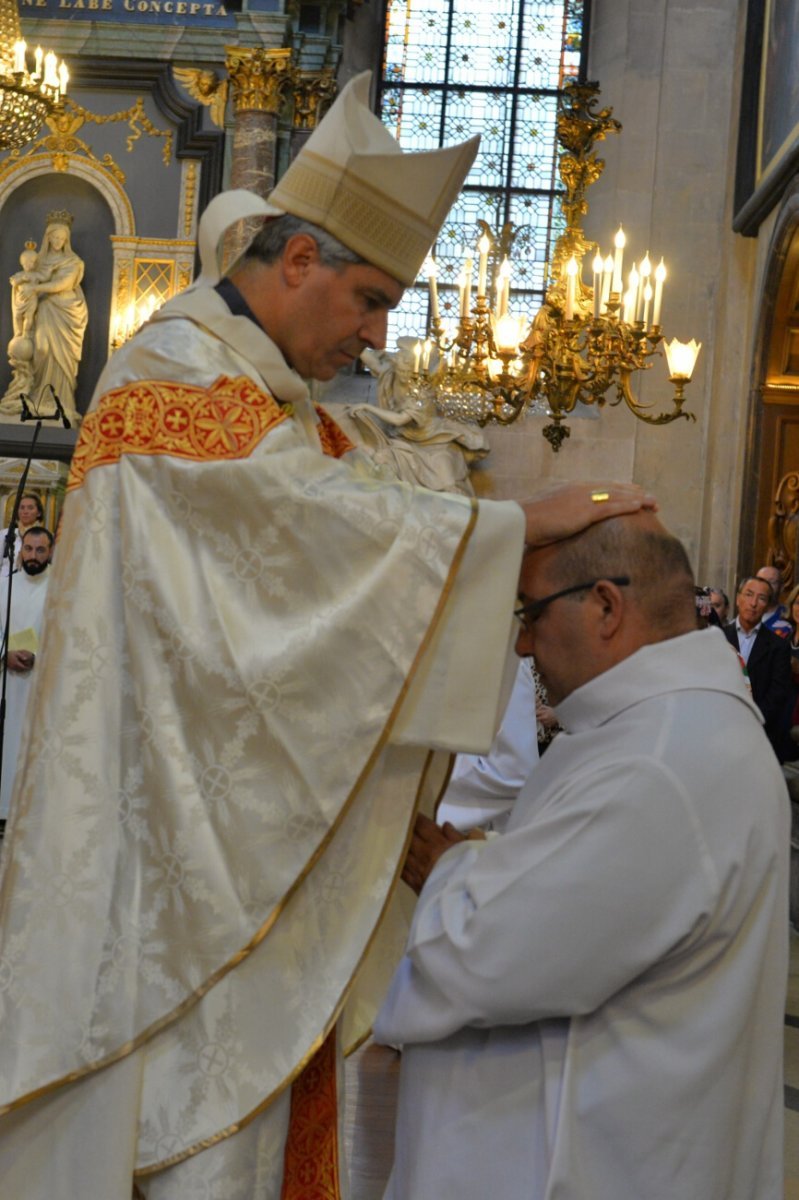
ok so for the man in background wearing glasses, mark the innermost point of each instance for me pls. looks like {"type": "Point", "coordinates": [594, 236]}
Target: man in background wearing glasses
{"type": "Point", "coordinates": [591, 1003]}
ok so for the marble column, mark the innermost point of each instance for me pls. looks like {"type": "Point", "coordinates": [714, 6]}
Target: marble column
{"type": "Point", "coordinates": [260, 78]}
{"type": "Point", "coordinates": [314, 92]}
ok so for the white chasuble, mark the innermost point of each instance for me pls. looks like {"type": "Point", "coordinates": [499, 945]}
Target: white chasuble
{"type": "Point", "coordinates": [245, 657]}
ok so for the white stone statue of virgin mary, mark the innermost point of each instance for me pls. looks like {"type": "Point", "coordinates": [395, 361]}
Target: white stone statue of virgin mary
{"type": "Point", "coordinates": [50, 318]}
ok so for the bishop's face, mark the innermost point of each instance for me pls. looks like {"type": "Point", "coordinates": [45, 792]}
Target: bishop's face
{"type": "Point", "coordinates": [346, 311]}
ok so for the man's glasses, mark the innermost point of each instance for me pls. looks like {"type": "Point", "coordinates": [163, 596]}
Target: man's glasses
{"type": "Point", "coordinates": [529, 613]}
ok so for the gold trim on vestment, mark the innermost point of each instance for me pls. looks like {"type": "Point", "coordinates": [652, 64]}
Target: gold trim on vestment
{"type": "Point", "coordinates": [167, 1019]}
{"type": "Point", "coordinates": [218, 423]}
{"type": "Point", "coordinates": [422, 779]}
{"type": "Point", "coordinates": [445, 784]}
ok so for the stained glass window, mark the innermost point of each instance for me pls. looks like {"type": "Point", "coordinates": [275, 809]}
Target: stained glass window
{"type": "Point", "coordinates": [454, 68]}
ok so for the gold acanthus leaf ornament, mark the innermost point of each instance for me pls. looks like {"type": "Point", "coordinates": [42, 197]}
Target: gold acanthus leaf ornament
{"type": "Point", "coordinates": [207, 87]}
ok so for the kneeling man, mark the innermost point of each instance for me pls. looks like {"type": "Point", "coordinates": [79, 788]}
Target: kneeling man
{"type": "Point", "coordinates": [591, 1004]}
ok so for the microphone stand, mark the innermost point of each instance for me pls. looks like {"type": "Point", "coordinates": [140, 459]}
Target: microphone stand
{"type": "Point", "coordinates": [10, 543]}
{"type": "Point", "coordinates": [58, 415]}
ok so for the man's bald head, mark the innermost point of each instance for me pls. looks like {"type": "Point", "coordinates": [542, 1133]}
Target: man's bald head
{"type": "Point", "coordinates": [582, 635]}
{"type": "Point", "coordinates": [636, 545]}
{"type": "Point", "coordinates": [773, 577]}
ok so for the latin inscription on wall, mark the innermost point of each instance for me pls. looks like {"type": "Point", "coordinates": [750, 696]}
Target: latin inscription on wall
{"type": "Point", "coordinates": [165, 12]}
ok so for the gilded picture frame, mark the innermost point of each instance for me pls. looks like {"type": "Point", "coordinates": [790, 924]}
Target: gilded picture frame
{"type": "Point", "coordinates": [768, 143]}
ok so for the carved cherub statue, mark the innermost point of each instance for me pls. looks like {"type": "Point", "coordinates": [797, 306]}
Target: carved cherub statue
{"type": "Point", "coordinates": [23, 298]}
{"type": "Point", "coordinates": [23, 313]}
{"type": "Point", "coordinates": [207, 87]}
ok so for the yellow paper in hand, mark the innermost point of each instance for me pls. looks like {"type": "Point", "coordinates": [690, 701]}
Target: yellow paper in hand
{"type": "Point", "coordinates": [24, 639]}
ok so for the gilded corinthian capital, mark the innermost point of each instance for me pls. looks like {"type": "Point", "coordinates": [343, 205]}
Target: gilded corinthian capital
{"type": "Point", "coordinates": [314, 92]}
{"type": "Point", "coordinates": [260, 78]}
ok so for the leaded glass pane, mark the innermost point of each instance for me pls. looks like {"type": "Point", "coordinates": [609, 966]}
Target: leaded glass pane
{"type": "Point", "coordinates": [414, 117]}
{"type": "Point", "coordinates": [416, 41]}
{"type": "Point", "coordinates": [410, 319]}
{"type": "Point", "coordinates": [537, 227]}
{"type": "Point", "coordinates": [535, 148]}
{"type": "Point", "coordinates": [542, 43]}
{"type": "Point", "coordinates": [483, 44]}
{"type": "Point", "coordinates": [489, 114]}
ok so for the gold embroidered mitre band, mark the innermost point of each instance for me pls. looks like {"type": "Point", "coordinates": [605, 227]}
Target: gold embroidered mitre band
{"type": "Point", "coordinates": [353, 179]}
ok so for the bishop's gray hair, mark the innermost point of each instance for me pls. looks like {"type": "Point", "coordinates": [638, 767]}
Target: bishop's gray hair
{"type": "Point", "coordinates": [270, 242]}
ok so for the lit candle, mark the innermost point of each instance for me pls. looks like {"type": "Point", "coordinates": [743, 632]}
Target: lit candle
{"type": "Point", "coordinates": [619, 242]}
{"type": "Point", "coordinates": [599, 267]}
{"type": "Point", "coordinates": [463, 301]}
{"type": "Point", "coordinates": [467, 271]}
{"type": "Point", "coordinates": [629, 302]}
{"type": "Point", "coordinates": [647, 301]}
{"type": "Point", "coordinates": [606, 281]}
{"type": "Point", "coordinates": [645, 272]}
{"type": "Point", "coordinates": [571, 277]}
{"type": "Point", "coordinates": [432, 278]}
{"type": "Point", "coordinates": [503, 288]}
{"type": "Point", "coordinates": [50, 76]}
{"type": "Point", "coordinates": [38, 56]}
{"type": "Point", "coordinates": [63, 78]}
{"type": "Point", "coordinates": [427, 350]}
{"type": "Point", "coordinates": [660, 276]}
{"type": "Point", "coordinates": [632, 291]}
{"type": "Point", "coordinates": [483, 246]}
{"type": "Point", "coordinates": [417, 354]}
{"type": "Point", "coordinates": [19, 57]}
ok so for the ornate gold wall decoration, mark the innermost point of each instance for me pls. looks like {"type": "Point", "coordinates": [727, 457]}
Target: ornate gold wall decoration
{"type": "Point", "coordinates": [147, 273]}
{"type": "Point", "coordinates": [207, 87]}
{"type": "Point", "coordinates": [260, 78]}
{"type": "Point", "coordinates": [190, 179]}
{"type": "Point", "coordinates": [62, 142]}
{"type": "Point", "coordinates": [314, 92]}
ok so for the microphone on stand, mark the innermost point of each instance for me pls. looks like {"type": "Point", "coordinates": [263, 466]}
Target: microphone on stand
{"type": "Point", "coordinates": [59, 408]}
{"type": "Point", "coordinates": [25, 412]}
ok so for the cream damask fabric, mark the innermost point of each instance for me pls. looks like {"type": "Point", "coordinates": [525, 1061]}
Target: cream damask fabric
{"type": "Point", "coordinates": [210, 817]}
